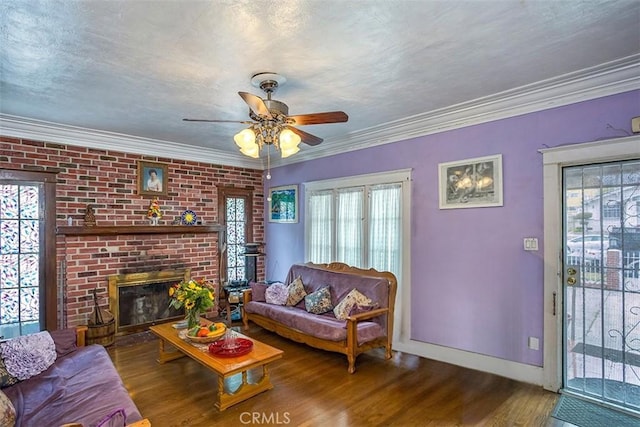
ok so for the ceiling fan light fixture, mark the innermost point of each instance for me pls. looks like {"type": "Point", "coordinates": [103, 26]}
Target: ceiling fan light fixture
{"type": "Point", "coordinates": [251, 151]}
{"type": "Point", "coordinates": [271, 124]}
{"type": "Point", "coordinates": [288, 139]}
{"type": "Point", "coordinates": [286, 152]}
{"type": "Point", "coordinates": [245, 138]}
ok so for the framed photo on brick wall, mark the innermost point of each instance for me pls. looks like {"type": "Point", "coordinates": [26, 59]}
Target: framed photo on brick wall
{"type": "Point", "coordinates": [283, 204]}
{"type": "Point", "coordinates": [152, 178]}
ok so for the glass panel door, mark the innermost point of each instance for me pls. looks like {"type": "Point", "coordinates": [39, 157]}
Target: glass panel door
{"type": "Point", "coordinates": [20, 259]}
{"type": "Point", "coordinates": [601, 282]}
{"type": "Point", "coordinates": [236, 227]}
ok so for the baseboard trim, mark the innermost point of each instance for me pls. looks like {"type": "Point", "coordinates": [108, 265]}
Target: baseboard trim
{"type": "Point", "coordinates": [504, 368]}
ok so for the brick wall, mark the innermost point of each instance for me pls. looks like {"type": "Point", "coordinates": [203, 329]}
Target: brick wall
{"type": "Point", "coordinates": [107, 180]}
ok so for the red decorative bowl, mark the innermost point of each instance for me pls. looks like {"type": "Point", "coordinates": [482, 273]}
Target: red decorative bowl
{"type": "Point", "coordinates": [221, 348]}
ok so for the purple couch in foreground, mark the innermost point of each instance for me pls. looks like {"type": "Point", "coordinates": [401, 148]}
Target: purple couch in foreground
{"type": "Point", "coordinates": [81, 388]}
{"type": "Point", "coordinates": [358, 333]}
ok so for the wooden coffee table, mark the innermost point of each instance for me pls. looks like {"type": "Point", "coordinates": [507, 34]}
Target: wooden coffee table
{"type": "Point", "coordinates": [260, 356]}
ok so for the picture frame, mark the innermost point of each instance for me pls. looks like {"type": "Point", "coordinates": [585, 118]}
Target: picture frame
{"type": "Point", "coordinates": [283, 204]}
{"type": "Point", "coordinates": [471, 183]}
{"type": "Point", "coordinates": [148, 185]}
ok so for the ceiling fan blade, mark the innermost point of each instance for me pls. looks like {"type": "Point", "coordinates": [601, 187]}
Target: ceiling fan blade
{"type": "Point", "coordinates": [307, 138]}
{"type": "Point", "coordinates": [256, 104]}
{"type": "Point", "coordinates": [218, 121]}
{"type": "Point", "coordinates": [320, 118]}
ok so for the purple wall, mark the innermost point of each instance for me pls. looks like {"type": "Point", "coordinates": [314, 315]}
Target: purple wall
{"type": "Point", "coordinates": [473, 287]}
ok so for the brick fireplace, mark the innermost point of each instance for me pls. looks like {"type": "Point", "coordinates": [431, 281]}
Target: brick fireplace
{"type": "Point", "coordinates": [106, 180]}
{"type": "Point", "coordinates": [139, 300]}
{"type": "Point", "coordinates": [95, 260]}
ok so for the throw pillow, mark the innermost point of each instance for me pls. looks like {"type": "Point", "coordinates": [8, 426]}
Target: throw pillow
{"type": "Point", "coordinates": [6, 379]}
{"type": "Point", "coordinates": [7, 411]}
{"type": "Point", "coordinates": [362, 308]}
{"type": "Point", "coordinates": [28, 355]}
{"type": "Point", "coordinates": [258, 291]}
{"type": "Point", "coordinates": [296, 292]}
{"type": "Point", "coordinates": [343, 309]}
{"type": "Point", "coordinates": [276, 294]}
{"type": "Point", "coordinates": [319, 301]}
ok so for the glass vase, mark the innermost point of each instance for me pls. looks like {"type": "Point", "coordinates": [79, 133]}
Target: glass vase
{"type": "Point", "coordinates": [193, 318]}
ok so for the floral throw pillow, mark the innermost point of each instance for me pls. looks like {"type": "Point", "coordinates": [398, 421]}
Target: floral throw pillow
{"type": "Point", "coordinates": [7, 411]}
{"type": "Point", "coordinates": [6, 379]}
{"type": "Point", "coordinates": [343, 309]}
{"type": "Point", "coordinates": [296, 292]}
{"type": "Point", "coordinates": [319, 301]}
{"type": "Point", "coordinates": [276, 294]}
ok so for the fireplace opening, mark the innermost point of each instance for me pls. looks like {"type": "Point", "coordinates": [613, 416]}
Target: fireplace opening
{"type": "Point", "coordinates": [139, 300]}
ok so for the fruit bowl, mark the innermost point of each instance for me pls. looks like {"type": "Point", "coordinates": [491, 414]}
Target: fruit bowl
{"type": "Point", "coordinates": [213, 336]}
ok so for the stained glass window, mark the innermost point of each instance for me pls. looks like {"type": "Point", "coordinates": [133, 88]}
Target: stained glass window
{"type": "Point", "coordinates": [236, 232]}
{"type": "Point", "coordinates": [19, 259]}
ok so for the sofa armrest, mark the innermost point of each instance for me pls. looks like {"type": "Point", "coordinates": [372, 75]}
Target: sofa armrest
{"type": "Point", "coordinates": [141, 423]}
{"type": "Point", "coordinates": [81, 335]}
{"type": "Point", "coordinates": [246, 296]}
{"type": "Point", "coordinates": [365, 315]}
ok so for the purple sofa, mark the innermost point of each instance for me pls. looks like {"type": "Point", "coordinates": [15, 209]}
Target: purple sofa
{"type": "Point", "coordinates": [81, 387]}
{"type": "Point", "coordinates": [358, 333]}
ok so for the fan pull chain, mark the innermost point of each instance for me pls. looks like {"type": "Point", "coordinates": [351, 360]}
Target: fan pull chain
{"type": "Point", "coordinates": [269, 169]}
{"type": "Point", "coordinates": [268, 161]}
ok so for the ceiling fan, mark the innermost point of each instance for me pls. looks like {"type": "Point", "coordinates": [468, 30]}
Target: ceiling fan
{"type": "Point", "coordinates": [271, 123]}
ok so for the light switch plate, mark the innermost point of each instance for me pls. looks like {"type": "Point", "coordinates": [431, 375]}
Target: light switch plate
{"type": "Point", "coordinates": [530, 244]}
{"type": "Point", "coordinates": [635, 125]}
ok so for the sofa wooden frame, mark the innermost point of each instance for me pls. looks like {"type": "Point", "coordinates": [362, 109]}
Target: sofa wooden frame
{"type": "Point", "coordinates": [349, 346]}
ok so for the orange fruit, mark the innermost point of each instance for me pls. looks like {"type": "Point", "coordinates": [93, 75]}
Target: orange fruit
{"type": "Point", "coordinates": [202, 332]}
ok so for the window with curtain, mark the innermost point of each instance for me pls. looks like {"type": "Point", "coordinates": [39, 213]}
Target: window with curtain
{"type": "Point", "coordinates": [360, 225]}
{"type": "Point", "coordinates": [320, 235]}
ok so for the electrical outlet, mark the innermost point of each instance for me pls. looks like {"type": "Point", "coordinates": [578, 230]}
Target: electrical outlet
{"type": "Point", "coordinates": [530, 244]}
{"type": "Point", "coordinates": [534, 343]}
{"type": "Point", "coordinates": [635, 125]}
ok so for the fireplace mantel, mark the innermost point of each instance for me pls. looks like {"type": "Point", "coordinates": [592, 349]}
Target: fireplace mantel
{"type": "Point", "coordinates": [114, 230]}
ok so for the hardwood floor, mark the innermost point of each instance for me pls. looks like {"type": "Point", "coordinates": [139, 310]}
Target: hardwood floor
{"type": "Point", "coordinates": [313, 388]}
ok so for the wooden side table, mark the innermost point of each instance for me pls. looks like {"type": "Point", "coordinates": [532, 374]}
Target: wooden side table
{"type": "Point", "coordinates": [226, 298]}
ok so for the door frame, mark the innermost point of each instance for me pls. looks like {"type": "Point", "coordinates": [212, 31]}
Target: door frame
{"type": "Point", "coordinates": [225, 192]}
{"type": "Point", "coordinates": [554, 159]}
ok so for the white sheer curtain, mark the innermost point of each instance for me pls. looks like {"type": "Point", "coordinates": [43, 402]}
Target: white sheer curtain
{"type": "Point", "coordinates": [349, 231]}
{"type": "Point", "coordinates": [385, 227]}
{"type": "Point", "coordinates": [358, 220]}
{"type": "Point", "coordinates": [319, 217]}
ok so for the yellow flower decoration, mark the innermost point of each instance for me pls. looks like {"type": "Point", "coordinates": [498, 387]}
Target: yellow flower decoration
{"type": "Point", "coordinates": [194, 295]}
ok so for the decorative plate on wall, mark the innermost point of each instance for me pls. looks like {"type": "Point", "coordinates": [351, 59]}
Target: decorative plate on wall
{"type": "Point", "coordinates": [189, 217]}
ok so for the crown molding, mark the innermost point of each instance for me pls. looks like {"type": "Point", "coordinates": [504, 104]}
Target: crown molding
{"type": "Point", "coordinates": [38, 130]}
{"type": "Point", "coordinates": [606, 79]}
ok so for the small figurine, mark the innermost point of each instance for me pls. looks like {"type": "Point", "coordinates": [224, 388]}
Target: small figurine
{"type": "Point", "coordinates": [89, 217]}
{"type": "Point", "coordinates": [154, 213]}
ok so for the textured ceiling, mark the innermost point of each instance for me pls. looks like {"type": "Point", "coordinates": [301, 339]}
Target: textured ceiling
{"type": "Point", "coordinates": [139, 67]}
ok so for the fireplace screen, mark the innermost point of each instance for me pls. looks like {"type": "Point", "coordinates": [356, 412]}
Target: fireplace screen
{"type": "Point", "coordinates": [139, 300]}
